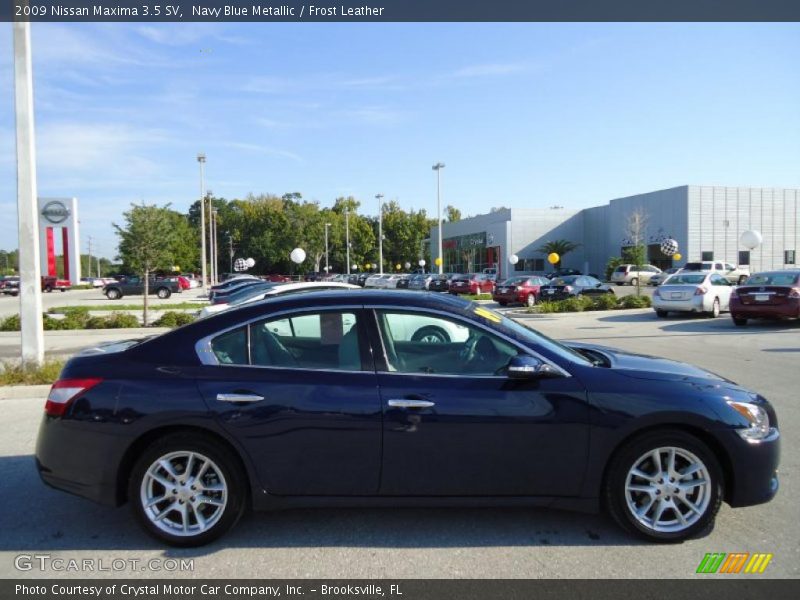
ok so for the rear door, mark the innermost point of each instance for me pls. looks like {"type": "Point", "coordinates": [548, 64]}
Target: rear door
{"type": "Point", "coordinates": [300, 393]}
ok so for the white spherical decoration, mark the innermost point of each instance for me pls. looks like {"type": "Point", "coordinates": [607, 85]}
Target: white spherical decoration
{"type": "Point", "coordinates": [751, 239]}
{"type": "Point", "coordinates": [407, 265]}
{"type": "Point", "coordinates": [513, 259]}
{"type": "Point", "coordinates": [421, 263]}
{"type": "Point", "coordinates": [251, 263]}
{"type": "Point", "coordinates": [298, 255]}
{"type": "Point", "coordinates": [669, 247]}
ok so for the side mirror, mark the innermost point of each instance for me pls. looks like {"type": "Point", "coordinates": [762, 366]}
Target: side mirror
{"type": "Point", "coordinates": [528, 367]}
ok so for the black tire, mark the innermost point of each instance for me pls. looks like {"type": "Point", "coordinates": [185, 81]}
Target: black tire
{"type": "Point", "coordinates": [233, 479]}
{"type": "Point", "coordinates": [714, 309]}
{"type": "Point", "coordinates": [62, 290]}
{"type": "Point", "coordinates": [431, 334]}
{"type": "Point", "coordinates": [620, 284]}
{"type": "Point", "coordinates": [661, 313]}
{"type": "Point", "coordinates": [113, 294]}
{"type": "Point", "coordinates": [502, 302]}
{"type": "Point", "coordinates": [163, 293]}
{"type": "Point", "coordinates": [612, 292]}
{"type": "Point", "coordinates": [630, 455]}
{"type": "Point", "coordinates": [530, 301]}
{"type": "Point", "coordinates": [740, 322]}
{"type": "Point", "coordinates": [634, 281]}
{"type": "Point", "coordinates": [48, 289]}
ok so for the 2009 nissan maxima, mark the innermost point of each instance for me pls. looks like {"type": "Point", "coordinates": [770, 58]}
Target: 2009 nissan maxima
{"type": "Point", "coordinates": [330, 399]}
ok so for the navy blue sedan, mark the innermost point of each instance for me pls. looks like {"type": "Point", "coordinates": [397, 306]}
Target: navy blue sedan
{"type": "Point", "coordinates": [335, 399]}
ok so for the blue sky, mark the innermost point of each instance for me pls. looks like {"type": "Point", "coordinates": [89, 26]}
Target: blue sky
{"type": "Point", "coordinates": [523, 115]}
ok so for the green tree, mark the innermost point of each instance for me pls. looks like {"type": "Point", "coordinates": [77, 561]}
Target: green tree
{"type": "Point", "coordinates": [146, 241]}
{"type": "Point", "coordinates": [452, 214]}
{"type": "Point", "coordinates": [560, 247]}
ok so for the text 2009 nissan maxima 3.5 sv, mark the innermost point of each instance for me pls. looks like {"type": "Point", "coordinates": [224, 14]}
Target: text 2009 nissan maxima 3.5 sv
{"type": "Point", "coordinates": [329, 398]}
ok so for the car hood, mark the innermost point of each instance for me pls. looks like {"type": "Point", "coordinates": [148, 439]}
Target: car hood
{"type": "Point", "coordinates": [643, 366]}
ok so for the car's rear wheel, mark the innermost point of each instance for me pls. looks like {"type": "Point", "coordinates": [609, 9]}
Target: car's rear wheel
{"type": "Point", "coordinates": [187, 490]}
{"type": "Point", "coordinates": [163, 293]}
{"type": "Point", "coordinates": [714, 309]}
{"type": "Point", "coordinates": [661, 313]}
{"type": "Point", "coordinates": [665, 485]}
{"type": "Point", "coordinates": [430, 335]}
{"type": "Point", "coordinates": [635, 281]}
{"type": "Point", "coordinates": [502, 302]}
{"type": "Point", "coordinates": [530, 300]}
{"type": "Point", "coordinates": [113, 294]}
{"type": "Point", "coordinates": [739, 322]}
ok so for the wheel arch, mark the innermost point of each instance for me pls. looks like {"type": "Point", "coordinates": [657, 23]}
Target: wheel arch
{"type": "Point", "coordinates": [701, 434]}
{"type": "Point", "coordinates": [143, 441]}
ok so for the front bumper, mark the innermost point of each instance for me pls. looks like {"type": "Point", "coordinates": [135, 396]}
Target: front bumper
{"type": "Point", "coordinates": [753, 468]}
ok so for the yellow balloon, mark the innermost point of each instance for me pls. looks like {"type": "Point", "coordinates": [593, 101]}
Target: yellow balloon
{"type": "Point", "coordinates": [677, 256]}
{"type": "Point", "coordinates": [398, 266]}
{"type": "Point", "coordinates": [367, 266]}
{"type": "Point", "coordinates": [438, 261]}
{"type": "Point", "coordinates": [553, 258]}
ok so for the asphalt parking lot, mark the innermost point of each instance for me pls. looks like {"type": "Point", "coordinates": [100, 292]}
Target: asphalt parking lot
{"type": "Point", "coordinates": [449, 543]}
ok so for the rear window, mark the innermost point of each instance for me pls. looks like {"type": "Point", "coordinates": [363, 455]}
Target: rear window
{"type": "Point", "coordinates": [685, 279]}
{"type": "Point", "coordinates": [622, 269]}
{"type": "Point", "coordinates": [773, 279]}
{"type": "Point", "coordinates": [697, 266]}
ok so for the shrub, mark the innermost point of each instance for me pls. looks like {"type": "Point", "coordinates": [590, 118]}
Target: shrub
{"type": "Point", "coordinates": [606, 302]}
{"type": "Point", "coordinates": [612, 264]}
{"type": "Point", "coordinates": [96, 323]}
{"type": "Point", "coordinates": [636, 302]}
{"type": "Point", "coordinates": [173, 319]}
{"type": "Point", "coordinates": [576, 304]}
{"type": "Point", "coordinates": [10, 323]}
{"type": "Point", "coordinates": [544, 307]}
{"type": "Point", "coordinates": [121, 321]}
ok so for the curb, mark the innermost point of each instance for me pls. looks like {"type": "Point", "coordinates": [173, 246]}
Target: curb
{"type": "Point", "coordinates": [24, 392]}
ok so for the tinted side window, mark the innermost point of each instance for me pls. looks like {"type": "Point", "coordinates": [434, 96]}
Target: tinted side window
{"type": "Point", "coordinates": [231, 348]}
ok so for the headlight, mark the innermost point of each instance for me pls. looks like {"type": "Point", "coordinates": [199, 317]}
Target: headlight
{"type": "Point", "coordinates": [756, 416]}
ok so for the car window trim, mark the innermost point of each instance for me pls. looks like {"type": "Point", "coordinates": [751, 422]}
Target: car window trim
{"type": "Point", "coordinates": [374, 308]}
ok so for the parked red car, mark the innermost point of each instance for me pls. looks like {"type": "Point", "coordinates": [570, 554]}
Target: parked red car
{"type": "Point", "coordinates": [277, 278]}
{"type": "Point", "coordinates": [473, 283]}
{"type": "Point", "coordinates": [768, 295]}
{"type": "Point", "coordinates": [523, 289]}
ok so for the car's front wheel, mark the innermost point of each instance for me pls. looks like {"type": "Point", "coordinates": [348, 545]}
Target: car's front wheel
{"type": "Point", "coordinates": [634, 282]}
{"type": "Point", "coordinates": [113, 294]}
{"type": "Point", "coordinates": [187, 490]}
{"type": "Point", "coordinates": [665, 485]}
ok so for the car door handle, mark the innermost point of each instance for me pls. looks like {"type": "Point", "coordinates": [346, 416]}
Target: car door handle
{"type": "Point", "coordinates": [239, 398]}
{"type": "Point", "coordinates": [408, 403]}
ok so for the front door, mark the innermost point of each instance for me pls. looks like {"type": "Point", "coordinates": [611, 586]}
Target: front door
{"type": "Point", "coordinates": [300, 393]}
{"type": "Point", "coordinates": [456, 425]}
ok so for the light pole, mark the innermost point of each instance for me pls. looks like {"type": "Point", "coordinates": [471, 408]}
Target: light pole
{"type": "Point", "coordinates": [201, 158]}
{"type": "Point", "coordinates": [327, 264]}
{"type": "Point", "coordinates": [347, 235]}
{"type": "Point", "coordinates": [438, 168]}
{"type": "Point", "coordinates": [214, 265]}
{"type": "Point", "coordinates": [380, 231]}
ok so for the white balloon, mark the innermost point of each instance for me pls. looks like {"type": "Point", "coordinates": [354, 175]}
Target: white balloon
{"type": "Point", "coordinates": [421, 263]}
{"type": "Point", "coordinates": [408, 265]}
{"type": "Point", "coordinates": [298, 255]}
{"type": "Point", "coordinates": [751, 239]}
{"type": "Point", "coordinates": [513, 259]}
{"type": "Point", "coordinates": [251, 262]}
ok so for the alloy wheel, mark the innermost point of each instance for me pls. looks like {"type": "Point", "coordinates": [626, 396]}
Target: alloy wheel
{"type": "Point", "coordinates": [668, 489]}
{"type": "Point", "coordinates": [184, 493]}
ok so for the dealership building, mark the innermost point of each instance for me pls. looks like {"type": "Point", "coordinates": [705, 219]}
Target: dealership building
{"type": "Point", "coordinates": [706, 221]}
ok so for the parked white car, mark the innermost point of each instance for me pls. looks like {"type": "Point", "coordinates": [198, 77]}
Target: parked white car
{"type": "Point", "coordinates": [631, 274]}
{"type": "Point", "coordinates": [696, 292]}
{"type": "Point", "coordinates": [735, 275]}
{"type": "Point", "coordinates": [373, 281]}
{"type": "Point", "coordinates": [278, 289]}
{"type": "Point", "coordinates": [660, 278]}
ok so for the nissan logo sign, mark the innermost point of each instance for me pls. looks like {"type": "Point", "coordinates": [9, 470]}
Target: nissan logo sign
{"type": "Point", "coordinates": [55, 212]}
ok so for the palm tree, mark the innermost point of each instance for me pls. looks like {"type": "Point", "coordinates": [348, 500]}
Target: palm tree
{"type": "Point", "coordinates": [560, 247]}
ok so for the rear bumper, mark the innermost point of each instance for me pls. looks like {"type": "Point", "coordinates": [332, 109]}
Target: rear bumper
{"type": "Point", "coordinates": [789, 309]}
{"type": "Point", "coordinates": [694, 304]}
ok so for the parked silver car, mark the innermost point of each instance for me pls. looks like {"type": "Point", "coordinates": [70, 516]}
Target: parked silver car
{"type": "Point", "coordinates": [632, 274]}
{"type": "Point", "coordinates": [659, 278]}
{"type": "Point", "coordinates": [696, 292]}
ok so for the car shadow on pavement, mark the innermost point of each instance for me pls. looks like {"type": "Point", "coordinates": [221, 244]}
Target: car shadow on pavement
{"type": "Point", "coordinates": [43, 519]}
{"type": "Point", "coordinates": [702, 324]}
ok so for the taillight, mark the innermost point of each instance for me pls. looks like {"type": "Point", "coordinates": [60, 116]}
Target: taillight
{"type": "Point", "coordinates": [701, 291]}
{"type": "Point", "coordinates": [734, 293]}
{"type": "Point", "coordinates": [794, 293]}
{"type": "Point", "coordinates": [63, 392]}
